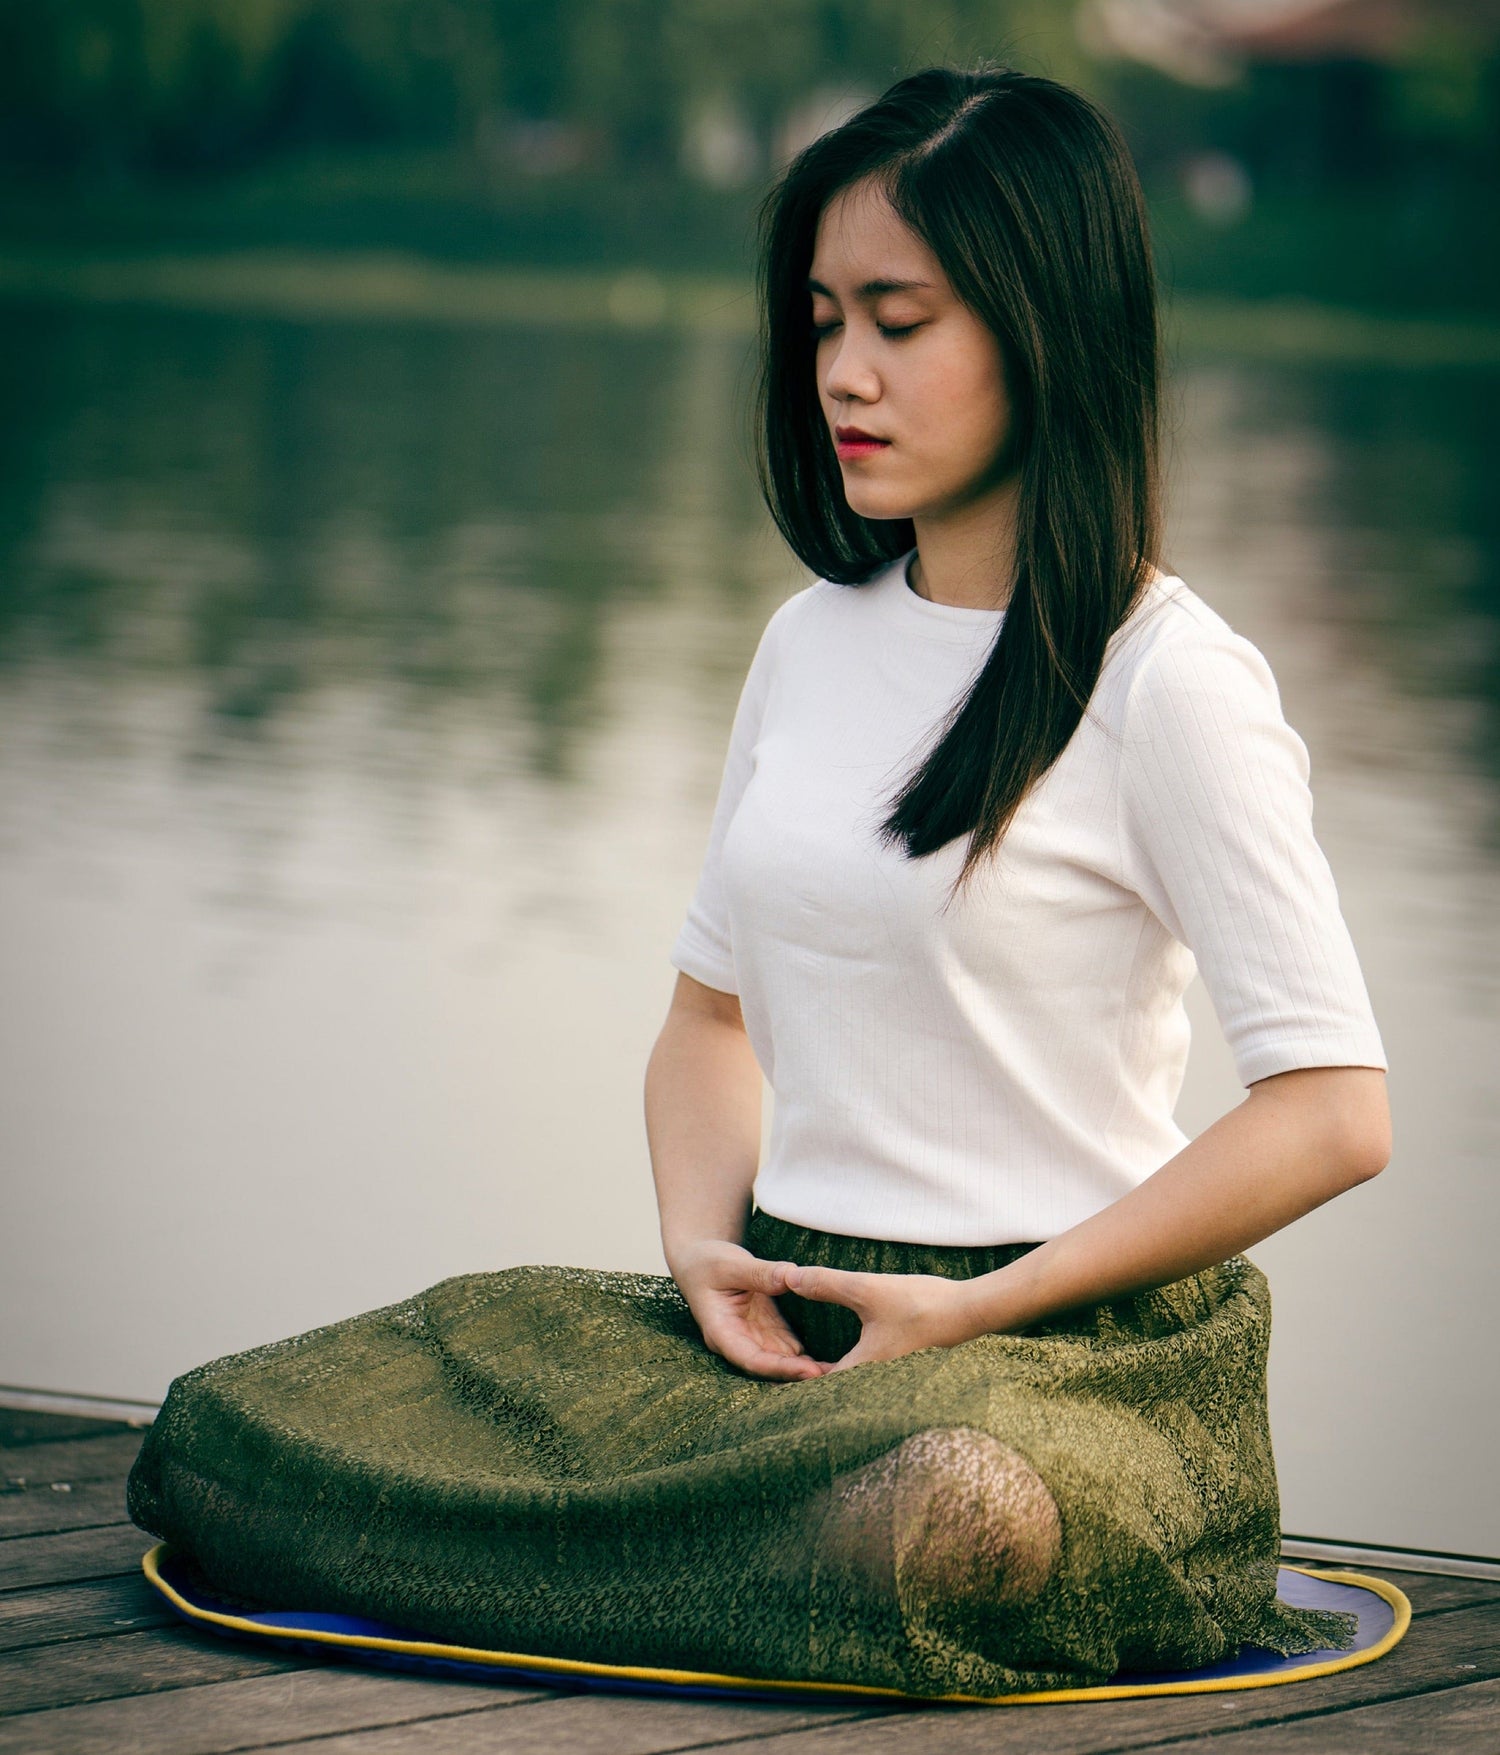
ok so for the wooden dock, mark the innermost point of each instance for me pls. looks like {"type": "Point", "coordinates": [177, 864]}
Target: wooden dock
{"type": "Point", "coordinates": [92, 1663]}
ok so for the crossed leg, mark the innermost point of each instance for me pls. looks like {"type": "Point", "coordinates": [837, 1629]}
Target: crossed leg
{"type": "Point", "coordinates": [950, 1515]}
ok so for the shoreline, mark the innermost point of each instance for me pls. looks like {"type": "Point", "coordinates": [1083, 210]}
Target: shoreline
{"type": "Point", "coordinates": [391, 286]}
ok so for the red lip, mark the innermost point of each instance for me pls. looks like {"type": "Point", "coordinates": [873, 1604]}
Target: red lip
{"type": "Point", "coordinates": [857, 436]}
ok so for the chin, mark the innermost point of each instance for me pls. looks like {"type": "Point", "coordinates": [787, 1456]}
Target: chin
{"type": "Point", "coordinates": [869, 505]}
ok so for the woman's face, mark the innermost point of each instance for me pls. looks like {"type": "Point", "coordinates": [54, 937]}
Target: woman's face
{"type": "Point", "coordinates": [936, 394]}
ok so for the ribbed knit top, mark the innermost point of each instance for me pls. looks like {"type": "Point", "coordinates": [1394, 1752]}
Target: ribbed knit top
{"type": "Point", "coordinates": [998, 1072]}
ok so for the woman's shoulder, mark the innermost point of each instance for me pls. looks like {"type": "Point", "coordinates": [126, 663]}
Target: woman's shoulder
{"type": "Point", "coordinates": [819, 603]}
{"type": "Point", "coordinates": [1169, 613]}
{"type": "Point", "coordinates": [806, 601]}
{"type": "Point", "coordinates": [1176, 646]}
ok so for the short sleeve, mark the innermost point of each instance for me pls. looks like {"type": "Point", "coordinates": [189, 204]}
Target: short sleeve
{"type": "Point", "coordinates": [1217, 838]}
{"type": "Point", "coordinates": [703, 948]}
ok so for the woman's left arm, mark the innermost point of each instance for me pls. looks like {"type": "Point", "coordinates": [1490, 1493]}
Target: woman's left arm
{"type": "Point", "coordinates": [1298, 1139]}
{"type": "Point", "coordinates": [1215, 819]}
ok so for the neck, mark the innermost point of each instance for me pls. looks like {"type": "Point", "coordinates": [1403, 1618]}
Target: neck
{"type": "Point", "coordinates": [968, 558]}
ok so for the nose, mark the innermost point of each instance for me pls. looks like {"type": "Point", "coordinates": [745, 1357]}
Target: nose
{"type": "Point", "coordinates": [847, 374]}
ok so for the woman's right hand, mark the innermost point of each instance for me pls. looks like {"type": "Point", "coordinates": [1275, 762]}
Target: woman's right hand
{"type": "Point", "coordinates": [731, 1294]}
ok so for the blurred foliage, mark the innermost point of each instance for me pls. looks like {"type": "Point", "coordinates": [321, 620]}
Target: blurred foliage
{"type": "Point", "coordinates": [164, 86]}
{"type": "Point", "coordinates": [604, 131]}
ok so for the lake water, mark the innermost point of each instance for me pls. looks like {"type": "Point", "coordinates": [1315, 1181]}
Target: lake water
{"type": "Point", "coordinates": [363, 693]}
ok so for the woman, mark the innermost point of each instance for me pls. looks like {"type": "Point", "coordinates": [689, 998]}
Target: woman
{"type": "Point", "coordinates": [963, 1390]}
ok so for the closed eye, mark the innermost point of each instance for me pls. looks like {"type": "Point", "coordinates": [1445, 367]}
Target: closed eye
{"type": "Point", "coordinates": [822, 329]}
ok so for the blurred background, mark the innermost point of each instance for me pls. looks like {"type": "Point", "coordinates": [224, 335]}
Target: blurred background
{"type": "Point", "coordinates": [380, 560]}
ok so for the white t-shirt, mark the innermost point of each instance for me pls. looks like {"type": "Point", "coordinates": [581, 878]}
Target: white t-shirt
{"type": "Point", "coordinates": [997, 1073]}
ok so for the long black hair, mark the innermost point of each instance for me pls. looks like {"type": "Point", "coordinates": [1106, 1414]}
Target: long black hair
{"type": "Point", "coordinates": [1025, 192]}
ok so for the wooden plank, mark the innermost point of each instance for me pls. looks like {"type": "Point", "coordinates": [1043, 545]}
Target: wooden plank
{"type": "Point", "coordinates": [103, 1607]}
{"type": "Point", "coordinates": [22, 1426]}
{"type": "Point", "coordinates": [1431, 1596]}
{"type": "Point", "coordinates": [30, 1511]}
{"type": "Point", "coordinates": [315, 1702]}
{"type": "Point", "coordinates": [1137, 1724]}
{"type": "Point", "coordinates": [134, 1663]}
{"type": "Point", "coordinates": [1430, 1593]}
{"type": "Point", "coordinates": [1455, 1720]}
{"type": "Point", "coordinates": [1433, 1656]}
{"type": "Point", "coordinates": [73, 1459]}
{"type": "Point", "coordinates": [26, 1561]}
{"type": "Point", "coordinates": [623, 1724]}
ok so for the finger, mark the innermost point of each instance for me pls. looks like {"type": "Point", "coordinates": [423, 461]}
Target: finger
{"type": "Point", "coordinates": [744, 1327]}
{"type": "Point", "coordinates": [826, 1285]}
{"type": "Point", "coordinates": [870, 1346]}
{"type": "Point", "coordinates": [855, 1356]}
{"type": "Point", "coordinates": [757, 1349]}
{"type": "Point", "coordinates": [752, 1316]}
{"type": "Point", "coordinates": [762, 1362]}
{"type": "Point", "coordinates": [767, 1276]}
{"type": "Point", "coordinates": [766, 1325]}
{"type": "Point", "coordinates": [762, 1324]}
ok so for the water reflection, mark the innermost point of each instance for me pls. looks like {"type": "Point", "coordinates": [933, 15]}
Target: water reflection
{"type": "Point", "coordinates": [1381, 483]}
{"type": "Point", "coordinates": [450, 515]}
{"type": "Point", "coordinates": [363, 692]}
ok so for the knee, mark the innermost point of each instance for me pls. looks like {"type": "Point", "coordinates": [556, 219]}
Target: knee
{"type": "Point", "coordinates": [950, 1514]}
{"type": "Point", "coordinates": [971, 1517]}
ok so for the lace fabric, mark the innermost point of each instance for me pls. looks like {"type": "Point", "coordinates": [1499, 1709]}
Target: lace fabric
{"type": "Point", "coordinates": [548, 1460]}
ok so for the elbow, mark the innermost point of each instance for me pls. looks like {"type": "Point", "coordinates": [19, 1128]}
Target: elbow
{"type": "Point", "coordinates": [1343, 1117]}
{"type": "Point", "coordinates": [1365, 1158]}
{"type": "Point", "coordinates": [1364, 1142]}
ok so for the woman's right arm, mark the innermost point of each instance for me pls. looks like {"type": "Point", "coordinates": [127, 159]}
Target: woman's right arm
{"type": "Point", "coordinates": [703, 1106]}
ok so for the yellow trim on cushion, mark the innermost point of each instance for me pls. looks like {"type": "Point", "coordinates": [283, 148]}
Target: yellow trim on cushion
{"type": "Point", "coordinates": [578, 1667]}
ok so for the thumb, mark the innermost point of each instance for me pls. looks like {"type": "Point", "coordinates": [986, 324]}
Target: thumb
{"type": "Point", "coordinates": [768, 1276]}
{"type": "Point", "coordinates": [826, 1285]}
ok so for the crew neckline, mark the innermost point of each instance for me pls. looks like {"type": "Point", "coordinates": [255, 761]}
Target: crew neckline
{"type": "Point", "coordinates": [952, 619]}
{"type": "Point", "coordinates": [958, 622]}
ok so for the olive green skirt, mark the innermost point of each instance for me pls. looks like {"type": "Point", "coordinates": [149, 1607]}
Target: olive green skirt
{"type": "Point", "coordinates": [549, 1460]}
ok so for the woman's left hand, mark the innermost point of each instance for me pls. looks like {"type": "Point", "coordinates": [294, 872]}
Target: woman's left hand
{"type": "Point", "coordinates": [898, 1313]}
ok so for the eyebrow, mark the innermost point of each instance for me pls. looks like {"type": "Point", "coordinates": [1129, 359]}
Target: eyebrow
{"type": "Point", "coordinates": [872, 288]}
